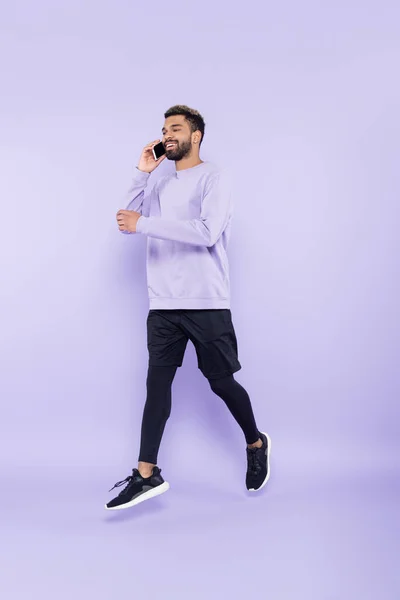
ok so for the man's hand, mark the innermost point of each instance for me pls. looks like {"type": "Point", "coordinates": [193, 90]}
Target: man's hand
{"type": "Point", "coordinates": [147, 162]}
{"type": "Point", "coordinates": [127, 220]}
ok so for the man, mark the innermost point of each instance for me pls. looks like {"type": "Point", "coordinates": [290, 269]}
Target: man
{"type": "Point", "coordinates": [187, 218]}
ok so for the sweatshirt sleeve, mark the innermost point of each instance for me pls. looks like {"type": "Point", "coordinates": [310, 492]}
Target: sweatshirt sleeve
{"type": "Point", "coordinates": [139, 199]}
{"type": "Point", "coordinates": [216, 211]}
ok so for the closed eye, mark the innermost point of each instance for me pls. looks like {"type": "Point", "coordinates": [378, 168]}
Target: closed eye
{"type": "Point", "coordinates": [173, 127]}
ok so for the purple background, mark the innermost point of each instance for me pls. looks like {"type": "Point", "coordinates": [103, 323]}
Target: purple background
{"type": "Point", "coordinates": [302, 100]}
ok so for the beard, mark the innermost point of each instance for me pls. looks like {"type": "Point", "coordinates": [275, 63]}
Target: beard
{"type": "Point", "coordinates": [179, 151]}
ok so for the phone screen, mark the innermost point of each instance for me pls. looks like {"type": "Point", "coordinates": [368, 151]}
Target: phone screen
{"type": "Point", "coordinates": [158, 150]}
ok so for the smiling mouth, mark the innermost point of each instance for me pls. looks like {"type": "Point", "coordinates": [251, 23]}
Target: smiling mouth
{"type": "Point", "coordinates": [170, 145]}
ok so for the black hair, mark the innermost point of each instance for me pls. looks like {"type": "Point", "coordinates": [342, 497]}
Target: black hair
{"type": "Point", "coordinates": [193, 117]}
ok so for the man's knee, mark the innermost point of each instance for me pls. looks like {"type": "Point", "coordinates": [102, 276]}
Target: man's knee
{"type": "Point", "coordinates": [221, 384]}
{"type": "Point", "coordinates": [160, 376]}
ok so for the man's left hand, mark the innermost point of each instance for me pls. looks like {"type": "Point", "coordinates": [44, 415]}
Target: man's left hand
{"type": "Point", "coordinates": [127, 220]}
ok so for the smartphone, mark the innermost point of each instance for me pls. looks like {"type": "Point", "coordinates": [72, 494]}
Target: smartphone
{"type": "Point", "coordinates": [158, 151]}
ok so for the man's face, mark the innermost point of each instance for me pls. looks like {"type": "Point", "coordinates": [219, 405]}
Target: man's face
{"type": "Point", "coordinates": [177, 137]}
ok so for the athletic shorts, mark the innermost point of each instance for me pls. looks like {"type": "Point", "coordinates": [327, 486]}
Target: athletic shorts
{"type": "Point", "coordinates": [210, 330]}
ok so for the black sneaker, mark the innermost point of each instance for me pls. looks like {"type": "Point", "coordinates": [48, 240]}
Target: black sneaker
{"type": "Point", "coordinates": [138, 489]}
{"type": "Point", "coordinates": [258, 465]}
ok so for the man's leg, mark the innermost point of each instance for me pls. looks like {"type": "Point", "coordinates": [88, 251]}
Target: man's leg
{"type": "Point", "coordinates": [238, 402]}
{"type": "Point", "coordinates": [146, 482]}
{"type": "Point", "coordinates": [155, 415]}
{"type": "Point", "coordinates": [258, 444]}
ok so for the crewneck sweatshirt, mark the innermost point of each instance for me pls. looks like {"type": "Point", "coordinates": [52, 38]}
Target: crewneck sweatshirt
{"type": "Point", "coordinates": [187, 219]}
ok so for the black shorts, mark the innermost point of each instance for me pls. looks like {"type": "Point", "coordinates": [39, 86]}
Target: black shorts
{"type": "Point", "coordinates": [210, 330]}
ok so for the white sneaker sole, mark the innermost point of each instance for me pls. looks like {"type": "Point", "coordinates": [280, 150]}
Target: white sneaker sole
{"type": "Point", "coordinates": [268, 467]}
{"type": "Point", "coordinates": [160, 489]}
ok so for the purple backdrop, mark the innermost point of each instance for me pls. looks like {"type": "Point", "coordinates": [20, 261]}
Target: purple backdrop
{"type": "Point", "coordinates": [302, 100]}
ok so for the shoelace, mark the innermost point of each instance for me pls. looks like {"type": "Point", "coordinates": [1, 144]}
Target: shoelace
{"type": "Point", "coordinates": [252, 461]}
{"type": "Point", "coordinates": [127, 480]}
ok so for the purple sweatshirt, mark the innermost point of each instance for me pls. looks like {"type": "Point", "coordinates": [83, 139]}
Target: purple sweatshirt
{"type": "Point", "coordinates": [187, 217]}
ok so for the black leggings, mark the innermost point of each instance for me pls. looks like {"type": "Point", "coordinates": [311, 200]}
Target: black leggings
{"type": "Point", "coordinates": [158, 408]}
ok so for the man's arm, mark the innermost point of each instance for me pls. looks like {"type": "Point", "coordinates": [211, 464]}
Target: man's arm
{"type": "Point", "coordinates": [216, 211]}
{"type": "Point", "coordinates": [139, 200]}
